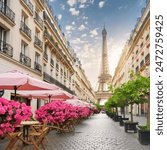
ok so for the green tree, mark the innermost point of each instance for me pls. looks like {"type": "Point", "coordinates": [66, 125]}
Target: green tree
{"type": "Point", "coordinates": [136, 90]}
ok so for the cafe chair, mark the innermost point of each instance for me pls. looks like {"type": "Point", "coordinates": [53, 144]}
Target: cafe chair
{"type": "Point", "coordinates": [13, 138]}
{"type": "Point", "coordinates": [36, 137]}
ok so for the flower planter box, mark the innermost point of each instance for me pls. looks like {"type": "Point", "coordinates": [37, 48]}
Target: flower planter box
{"type": "Point", "coordinates": [121, 121]}
{"type": "Point", "coordinates": [109, 114]}
{"type": "Point", "coordinates": [143, 136]}
{"type": "Point", "coordinates": [130, 126]}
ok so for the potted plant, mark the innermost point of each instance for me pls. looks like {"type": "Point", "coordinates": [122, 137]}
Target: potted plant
{"type": "Point", "coordinates": [132, 94]}
{"type": "Point", "coordinates": [121, 101]}
{"type": "Point", "coordinates": [144, 131]}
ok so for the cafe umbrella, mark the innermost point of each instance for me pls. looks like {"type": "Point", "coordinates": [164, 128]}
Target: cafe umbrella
{"type": "Point", "coordinates": [15, 80]}
{"type": "Point", "coordinates": [47, 94]}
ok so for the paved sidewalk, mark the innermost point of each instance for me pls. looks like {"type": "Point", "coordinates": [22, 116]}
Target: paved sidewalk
{"type": "Point", "coordinates": [97, 133]}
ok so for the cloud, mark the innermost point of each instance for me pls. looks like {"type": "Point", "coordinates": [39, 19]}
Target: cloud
{"type": "Point", "coordinates": [91, 52]}
{"type": "Point", "coordinates": [86, 22]}
{"type": "Point", "coordinates": [101, 4]}
{"type": "Point", "coordinates": [115, 47]}
{"type": "Point", "coordinates": [84, 35]}
{"type": "Point", "coordinates": [74, 12]}
{"type": "Point", "coordinates": [82, 6]}
{"type": "Point", "coordinates": [69, 28]}
{"type": "Point", "coordinates": [93, 32]}
{"type": "Point", "coordinates": [59, 16]}
{"type": "Point", "coordinates": [84, 18]}
{"type": "Point", "coordinates": [62, 6]}
{"type": "Point", "coordinates": [73, 23]}
{"type": "Point", "coordinates": [52, 0]}
{"type": "Point", "coordinates": [79, 41]}
{"type": "Point", "coordinates": [68, 32]}
{"type": "Point", "coordinates": [120, 7]}
{"type": "Point", "coordinates": [81, 28]}
{"type": "Point", "coordinates": [82, 1]}
{"type": "Point", "coordinates": [71, 2]}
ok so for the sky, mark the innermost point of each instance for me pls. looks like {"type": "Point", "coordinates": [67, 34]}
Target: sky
{"type": "Point", "coordinates": [82, 22]}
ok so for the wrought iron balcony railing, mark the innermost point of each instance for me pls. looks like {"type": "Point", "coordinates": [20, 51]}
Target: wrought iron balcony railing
{"type": "Point", "coordinates": [37, 67]}
{"type": "Point", "coordinates": [25, 29]}
{"type": "Point", "coordinates": [50, 37]}
{"type": "Point", "coordinates": [6, 48]}
{"type": "Point", "coordinates": [7, 11]}
{"type": "Point", "coordinates": [38, 19]}
{"type": "Point", "coordinates": [25, 60]}
{"type": "Point", "coordinates": [50, 79]}
{"type": "Point", "coordinates": [147, 58]}
{"type": "Point", "coordinates": [29, 5]}
{"type": "Point", "coordinates": [38, 42]}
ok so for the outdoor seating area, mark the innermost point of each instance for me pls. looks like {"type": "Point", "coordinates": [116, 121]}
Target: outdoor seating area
{"type": "Point", "coordinates": [19, 125]}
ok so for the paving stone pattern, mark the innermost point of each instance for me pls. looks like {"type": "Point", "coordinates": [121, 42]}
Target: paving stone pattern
{"type": "Point", "coordinates": [97, 133]}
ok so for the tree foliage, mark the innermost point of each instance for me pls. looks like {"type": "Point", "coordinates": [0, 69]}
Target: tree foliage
{"type": "Point", "coordinates": [129, 93]}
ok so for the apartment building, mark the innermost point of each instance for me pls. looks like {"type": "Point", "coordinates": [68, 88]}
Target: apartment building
{"type": "Point", "coordinates": [31, 41]}
{"type": "Point", "coordinates": [136, 55]}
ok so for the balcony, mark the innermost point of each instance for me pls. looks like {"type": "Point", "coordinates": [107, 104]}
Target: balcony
{"type": "Point", "coordinates": [52, 62]}
{"type": "Point", "coordinates": [48, 20]}
{"type": "Point", "coordinates": [25, 30]}
{"type": "Point", "coordinates": [37, 67]}
{"type": "Point", "coordinates": [7, 12]}
{"type": "Point", "coordinates": [142, 66]}
{"type": "Point", "coordinates": [147, 59]}
{"type": "Point", "coordinates": [6, 48]}
{"type": "Point", "coordinates": [50, 38]}
{"type": "Point", "coordinates": [48, 78]}
{"type": "Point", "coordinates": [45, 56]}
{"type": "Point", "coordinates": [25, 60]}
{"type": "Point", "coordinates": [28, 5]}
{"type": "Point", "coordinates": [38, 43]}
{"type": "Point", "coordinates": [38, 20]}
{"type": "Point", "coordinates": [41, 3]}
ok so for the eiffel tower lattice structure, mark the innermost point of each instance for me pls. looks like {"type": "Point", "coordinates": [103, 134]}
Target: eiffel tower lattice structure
{"type": "Point", "coordinates": [104, 79]}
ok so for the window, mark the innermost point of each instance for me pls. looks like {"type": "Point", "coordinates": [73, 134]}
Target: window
{"type": "Point", "coordinates": [137, 69]}
{"type": "Point", "coordinates": [141, 45]}
{"type": "Point", "coordinates": [147, 58]}
{"type": "Point", "coordinates": [51, 72]}
{"type": "Point", "coordinates": [2, 34]}
{"type": "Point", "coordinates": [57, 67]}
{"type": "Point", "coordinates": [45, 49]}
{"type": "Point", "coordinates": [44, 67]}
{"type": "Point", "coordinates": [23, 48]}
{"type": "Point", "coordinates": [61, 70]}
{"type": "Point", "coordinates": [141, 63]}
{"type": "Point", "coordinates": [37, 32]}
{"type": "Point", "coordinates": [24, 18]}
{"type": "Point", "coordinates": [147, 37]}
{"type": "Point", "coordinates": [67, 73]}
{"type": "Point", "coordinates": [37, 57]}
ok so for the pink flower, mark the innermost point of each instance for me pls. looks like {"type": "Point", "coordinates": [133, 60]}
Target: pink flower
{"type": "Point", "coordinates": [2, 110]}
{"type": "Point", "coordinates": [11, 114]}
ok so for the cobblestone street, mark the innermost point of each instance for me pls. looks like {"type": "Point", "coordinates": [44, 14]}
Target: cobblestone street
{"type": "Point", "coordinates": [97, 133]}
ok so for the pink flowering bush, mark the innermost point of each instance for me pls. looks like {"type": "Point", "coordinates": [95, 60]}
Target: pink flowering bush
{"type": "Point", "coordinates": [11, 115]}
{"type": "Point", "coordinates": [59, 112]}
{"type": "Point", "coordinates": [55, 112]}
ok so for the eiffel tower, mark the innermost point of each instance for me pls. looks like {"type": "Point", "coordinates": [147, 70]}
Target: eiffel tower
{"type": "Point", "coordinates": [104, 78]}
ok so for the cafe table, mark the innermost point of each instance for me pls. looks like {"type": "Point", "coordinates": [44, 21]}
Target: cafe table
{"type": "Point", "coordinates": [26, 125]}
